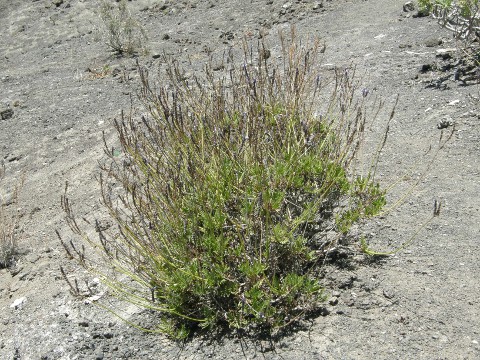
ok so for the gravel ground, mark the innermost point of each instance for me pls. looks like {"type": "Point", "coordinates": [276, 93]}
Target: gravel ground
{"type": "Point", "coordinates": [55, 103]}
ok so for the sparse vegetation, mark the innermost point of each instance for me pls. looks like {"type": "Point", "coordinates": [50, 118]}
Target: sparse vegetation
{"type": "Point", "coordinates": [99, 73]}
{"type": "Point", "coordinates": [8, 222]}
{"type": "Point", "coordinates": [125, 36]}
{"type": "Point", "coordinates": [230, 193]}
{"type": "Point", "coordinates": [462, 17]}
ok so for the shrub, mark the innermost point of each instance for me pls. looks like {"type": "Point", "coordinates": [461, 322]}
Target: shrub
{"type": "Point", "coordinates": [125, 36]}
{"type": "Point", "coordinates": [8, 222]}
{"type": "Point", "coordinates": [460, 16]}
{"type": "Point", "coordinates": [229, 191]}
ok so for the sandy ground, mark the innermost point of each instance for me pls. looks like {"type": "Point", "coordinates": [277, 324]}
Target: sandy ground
{"type": "Point", "coordinates": [421, 303]}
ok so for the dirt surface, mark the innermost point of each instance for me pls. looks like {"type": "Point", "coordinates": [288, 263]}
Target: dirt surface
{"type": "Point", "coordinates": [421, 303]}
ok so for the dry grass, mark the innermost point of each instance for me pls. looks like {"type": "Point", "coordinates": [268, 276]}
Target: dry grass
{"type": "Point", "coordinates": [462, 17]}
{"type": "Point", "coordinates": [124, 35]}
{"type": "Point", "coordinates": [8, 224]}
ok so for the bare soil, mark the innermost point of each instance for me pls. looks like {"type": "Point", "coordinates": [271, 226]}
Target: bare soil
{"type": "Point", "coordinates": [421, 303]}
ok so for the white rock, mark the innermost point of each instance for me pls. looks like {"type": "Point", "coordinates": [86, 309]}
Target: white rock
{"type": "Point", "coordinates": [94, 298]}
{"type": "Point", "coordinates": [18, 303]}
{"type": "Point", "coordinates": [445, 52]}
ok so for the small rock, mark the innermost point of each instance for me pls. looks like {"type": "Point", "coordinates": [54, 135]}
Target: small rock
{"type": "Point", "coordinates": [350, 301]}
{"type": "Point", "coordinates": [333, 301]}
{"type": "Point", "coordinates": [421, 13]}
{"type": "Point", "coordinates": [165, 37]}
{"type": "Point", "coordinates": [265, 54]}
{"type": "Point", "coordinates": [6, 113]}
{"type": "Point", "coordinates": [325, 311]}
{"type": "Point", "coordinates": [287, 5]}
{"type": "Point", "coordinates": [115, 72]}
{"type": "Point", "coordinates": [457, 74]}
{"type": "Point", "coordinates": [7, 200]}
{"type": "Point", "coordinates": [408, 6]}
{"type": "Point", "coordinates": [23, 276]}
{"type": "Point", "coordinates": [433, 42]}
{"type": "Point", "coordinates": [317, 6]}
{"type": "Point", "coordinates": [218, 67]}
{"type": "Point", "coordinates": [16, 270]}
{"type": "Point", "coordinates": [12, 158]}
{"type": "Point", "coordinates": [57, 3]}
{"type": "Point", "coordinates": [18, 303]}
{"type": "Point", "coordinates": [347, 282]}
{"type": "Point", "coordinates": [83, 323]}
{"type": "Point", "coordinates": [388, 294]}
{"type": "Point", "coordinates": [365, 304]}
{"type": "Point", "coordinates": [426, 68]}
{"type": "Point", "coordinates": [93, 298]}
{"type": "Point", "coordinates": [445, 54]}
{"type": "Point", "coordinates": [156, 56]}
{"type": "Point", "coordinates": [443, 124]}
{"type": "Point", "coordinates": [228, 35]}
